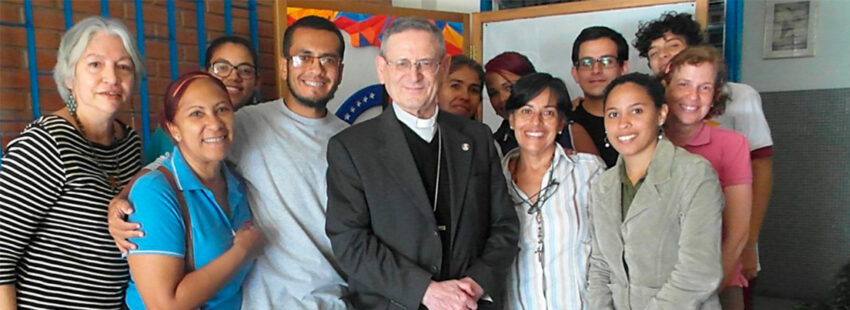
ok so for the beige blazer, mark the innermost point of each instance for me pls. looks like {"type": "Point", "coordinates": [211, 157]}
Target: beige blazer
{"type": "Point", "coordinates": [666, 253]}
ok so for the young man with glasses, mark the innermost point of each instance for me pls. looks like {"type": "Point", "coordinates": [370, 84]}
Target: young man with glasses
{"type": "Point", "coordinates": [279, 149]}
{"type": "Point", "coordinates": [659, 41]}
{"type": "Point", "coordinates": [600, 55]}
{"type": "Point", "coordinates": [418, 211]}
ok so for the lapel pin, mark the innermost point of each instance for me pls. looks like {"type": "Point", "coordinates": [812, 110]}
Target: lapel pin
{"type": "Point", "coordinates": [465, 147]}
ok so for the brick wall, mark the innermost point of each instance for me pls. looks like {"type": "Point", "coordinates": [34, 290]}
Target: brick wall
{"type": "Point", "coordinates": [49, 21]}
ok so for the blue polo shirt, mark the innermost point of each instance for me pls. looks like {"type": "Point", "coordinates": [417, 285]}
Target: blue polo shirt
{"type": "Point", "coordinates": [158, 211]}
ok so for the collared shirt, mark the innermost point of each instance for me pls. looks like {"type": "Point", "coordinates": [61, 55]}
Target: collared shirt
{"type": "Point", "coordinates": [726, 150]}
{"type": "Point", "coordinates": [213, 231]}
{"type": "Point", "coordinates": [424, 128]}
{"type": "Point", "coordinates": [729, 155]}
{"type": "Point", "coordinates": [556, 277]}
{"type": "Point", "coordinates": [629, 190]}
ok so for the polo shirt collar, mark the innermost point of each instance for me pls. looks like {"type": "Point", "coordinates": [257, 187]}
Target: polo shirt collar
{"type": "Point", "coordinates": [702, 137]}
{"type": "Point", "coordinates": [187, 180]}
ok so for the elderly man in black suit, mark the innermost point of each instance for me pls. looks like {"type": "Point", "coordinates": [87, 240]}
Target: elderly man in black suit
{"type": "Point", "coordinates": [418, 211]}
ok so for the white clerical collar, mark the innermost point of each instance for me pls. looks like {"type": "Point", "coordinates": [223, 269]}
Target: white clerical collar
{"type": "Point", "coordinates": [424, 128]}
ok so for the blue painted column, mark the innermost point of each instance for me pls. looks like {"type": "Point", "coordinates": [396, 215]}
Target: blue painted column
{"type": "Point", "coordinates": [172, 40]}
{"type": "Point", "coordinates": [69, 14]}
{"type": "Point", "coordinates": [252, 11]}
{"type": "Point", "coordinates": [143, 91]}
{"type": "Point", "coordinates": [33, 67]}
{"type": "Point", "coordinates": [202, 33]}
{"type": "Point", "coordinates": [104, 8]}
{"type": "Point", "coordinates": [228, 17]}
{"type": "Point", "coordinates": [733, 33]}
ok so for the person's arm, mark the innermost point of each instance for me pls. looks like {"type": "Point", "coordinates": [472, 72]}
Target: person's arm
{"type": "Point", "coordinates": [582, 140]}
{"type": "Point", "coordinates": [162, 283]}
{"type": "Point", "coordinates": [360, 254]}
{"type": "Point", "coordinates": [119, 208]}
{"type": "Point", "coordinates": [30, 183]}
{"type": "Point", "coordinates": [157, 266]}
{"type": "Point", "coordinates": [599, 295]}
{"type": "Point", "coordinates": [736, 227]}
{"type": "Point", "coordinates": [698, 269]}
{"type": "Point", "coordinates": [762, 187]}
{"type": "Point", "coordinates": [489, 269]}
{"type": "Point", "coordinates": [7, 297]}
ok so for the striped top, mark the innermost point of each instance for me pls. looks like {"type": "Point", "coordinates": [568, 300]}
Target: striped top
{"type": "Point", "coordinates": [54, 242]}
{"type": "Point", "coordinates": [550, 271]}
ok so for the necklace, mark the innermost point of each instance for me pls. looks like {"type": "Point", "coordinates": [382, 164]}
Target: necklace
{"type": "Point", "coordinates": [439, 161]}
{"type": "Point", "coordinates": [541, 195]}
{"type": "Point", "coordinates": [110, 172]}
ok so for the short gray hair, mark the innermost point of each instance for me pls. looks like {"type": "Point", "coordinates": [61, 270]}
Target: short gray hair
{"type": "Point", "coordinates": [74, 43]}
{"type": "Point", "coordinates": [402, 24]}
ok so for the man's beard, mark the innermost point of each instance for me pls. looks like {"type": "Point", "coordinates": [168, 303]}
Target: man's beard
{"type": "Point", "coordinates": [318, 103]}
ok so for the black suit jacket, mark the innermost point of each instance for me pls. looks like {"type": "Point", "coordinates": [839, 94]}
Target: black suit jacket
{"type": "Point", "coordinates": [381, 223]}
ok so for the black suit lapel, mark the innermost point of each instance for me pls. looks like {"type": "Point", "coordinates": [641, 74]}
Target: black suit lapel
{"type": "Point", "coordinates": [458, 150]}
{"type": "Point", "coordinates": [397, 159]}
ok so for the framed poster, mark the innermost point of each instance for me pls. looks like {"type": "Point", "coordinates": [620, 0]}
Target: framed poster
{"type": "Point", "coordinates": [789, 28]}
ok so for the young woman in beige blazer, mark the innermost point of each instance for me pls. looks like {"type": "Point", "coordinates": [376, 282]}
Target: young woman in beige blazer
{"type": "Point", "coordinates": [655, 215]}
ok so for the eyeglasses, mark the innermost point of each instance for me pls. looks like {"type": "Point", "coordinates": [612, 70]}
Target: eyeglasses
{"type": "Point", "coordinates": [427, 65]}
{"type": "Point", "coordinates": [327, 61]}
{"type": "Point", "coordinates": [223, 69]}
{"type": "Point", "coordinates": [588, 62]}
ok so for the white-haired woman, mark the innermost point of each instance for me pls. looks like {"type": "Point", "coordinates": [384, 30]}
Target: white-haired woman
{"type": "Point", "coordinates": [60, 174]}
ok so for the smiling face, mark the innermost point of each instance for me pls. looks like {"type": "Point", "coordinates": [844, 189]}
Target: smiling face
{"type": "Point", "coordinates": [461, 92]}
{"type": "Point", "coordinates": [412, 87]}
{"type": "Point", "coordinates": [632, 121]}
{"type": "Point", "coordinates": [499, 89]}
{"type": "Point", "coordinates": [690, 93]}
{"type": "Point", "coordinates": [104, 75]}
{"type": "Point", "coordinates": [203, 122]}
{"type": "Point", "coordinates": [663, 49]}
{"type": "Point", "coordinates": [311, 83]}
{"type": "Point", "coordinates": [593, 79]}
{"type": "Point", "coordinates": [240, 87]}
{"type": "Point", "coordinates": [537, 123]}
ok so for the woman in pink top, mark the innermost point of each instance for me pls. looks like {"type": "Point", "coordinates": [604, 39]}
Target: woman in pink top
{"type": "Point", "coordinates": [693, 80]}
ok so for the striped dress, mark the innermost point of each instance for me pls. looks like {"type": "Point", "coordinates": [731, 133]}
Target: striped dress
{"type": "Point", "coordinates": [54, 243]}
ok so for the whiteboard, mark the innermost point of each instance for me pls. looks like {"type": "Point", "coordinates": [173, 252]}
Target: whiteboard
{"type": "Point", "coordinates": [548, 41]}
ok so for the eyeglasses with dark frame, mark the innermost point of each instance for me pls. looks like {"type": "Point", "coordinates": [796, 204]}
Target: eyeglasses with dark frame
{"type": "Point", "coordinates": [223, 69]}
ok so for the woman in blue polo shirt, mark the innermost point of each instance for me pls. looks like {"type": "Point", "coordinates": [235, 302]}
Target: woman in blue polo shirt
{"type": "Point", "coordinates": [199, 242]}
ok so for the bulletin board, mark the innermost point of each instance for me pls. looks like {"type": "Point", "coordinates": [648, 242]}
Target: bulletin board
{"type": "Point", "coordinates": [359, 95]}
{"type": "Point", "coordinates": [546, 33]}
